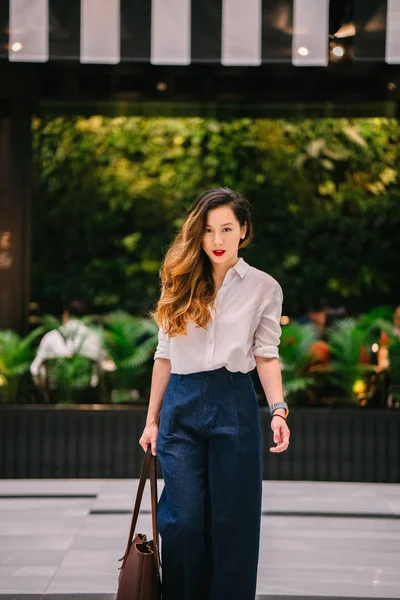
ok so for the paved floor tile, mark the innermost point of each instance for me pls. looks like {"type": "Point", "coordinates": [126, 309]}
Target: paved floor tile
{"type": "Point", "coordinates": [57, 546]}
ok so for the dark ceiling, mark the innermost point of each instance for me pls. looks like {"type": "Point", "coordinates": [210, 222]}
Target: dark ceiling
{"type": "Point", "coordinates": [360, 83]}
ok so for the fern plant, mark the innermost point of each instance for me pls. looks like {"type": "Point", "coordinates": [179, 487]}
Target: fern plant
{"type": "Point", "coordinates": [16, 355]}
{"type": "Point", "coordinates": [295, 351]}
{"type": "Point", "coordinates": [70, 379]}
{"type": "Point", "coordinates": [130, 342]}
{"type": "Point", "coordinates": [375, 322]}
{"type": "Point", "coordinates": [347, 339]}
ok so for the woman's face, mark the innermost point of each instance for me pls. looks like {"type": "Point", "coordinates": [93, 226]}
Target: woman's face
{"type": "Point", "coordinates": [222, 232]}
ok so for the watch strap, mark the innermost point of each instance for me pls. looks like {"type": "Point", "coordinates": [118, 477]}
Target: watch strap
{"type": "Point", "coordinates": [276, 405]}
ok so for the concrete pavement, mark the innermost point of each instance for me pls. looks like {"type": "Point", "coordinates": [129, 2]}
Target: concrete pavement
{"type": "Point", "coordinates": [330, 540]}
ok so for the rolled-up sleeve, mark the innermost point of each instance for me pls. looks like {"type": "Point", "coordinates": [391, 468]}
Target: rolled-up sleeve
{"type": "Point", "coordinates": [163, 346]}
{"type": "Point", "coordinates": [268, 333]}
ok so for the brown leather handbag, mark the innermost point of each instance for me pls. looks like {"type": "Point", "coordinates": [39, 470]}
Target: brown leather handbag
{"type": "Point", "coordinates": [139, 577]}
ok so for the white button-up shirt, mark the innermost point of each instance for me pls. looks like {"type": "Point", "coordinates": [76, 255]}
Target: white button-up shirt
{"type": "Point", "coordinates": [77, 338]}
{"type": "Point", "coordinates": [245, 323]}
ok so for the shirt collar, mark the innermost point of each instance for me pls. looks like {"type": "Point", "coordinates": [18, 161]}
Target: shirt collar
{"type": "Point", "coordinates": [241, 267]}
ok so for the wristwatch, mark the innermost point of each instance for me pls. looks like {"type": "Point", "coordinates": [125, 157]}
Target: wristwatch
{"type": "Point", "coordinates": [275, 405]}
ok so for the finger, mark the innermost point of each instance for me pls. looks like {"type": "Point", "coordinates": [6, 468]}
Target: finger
{"type": "Point", "coordinates": [153, 448]}
{"type": "Point", "coordinates": [280, 447]}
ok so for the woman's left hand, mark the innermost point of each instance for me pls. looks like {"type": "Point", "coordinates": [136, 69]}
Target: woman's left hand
{"type": "Point", "coordinates": [281, 434]}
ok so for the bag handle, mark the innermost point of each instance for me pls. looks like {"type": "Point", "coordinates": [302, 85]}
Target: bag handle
{"type": "Point", "coordinates": [154, 500]}
{"type": "Point", "coordinates": [149, 463]}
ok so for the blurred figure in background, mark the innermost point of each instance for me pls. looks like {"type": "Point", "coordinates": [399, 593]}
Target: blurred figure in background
{"type": "Point", "coordinates": [316, 315]}
{"type": "Point", "coordinates": [396, 321]}
{"type": "Point", "coordinates": [389, 359]}
{"type": "Point", "coordinates": [321, 316]}
{"type": "Point", "coordinates": [72, 337]}
{"type": "Point", "coordinates": [384, 342]}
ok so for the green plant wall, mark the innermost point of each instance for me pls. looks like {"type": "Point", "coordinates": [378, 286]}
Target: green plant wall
{"type": "Point", "coordinates": [108, 194]}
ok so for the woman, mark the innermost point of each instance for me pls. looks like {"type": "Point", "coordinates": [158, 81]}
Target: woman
{"type": "Point", "coordinates": [219, 318]}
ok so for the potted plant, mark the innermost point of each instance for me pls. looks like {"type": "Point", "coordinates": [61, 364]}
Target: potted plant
{"type": "Point", "coordinates": [73, 379]}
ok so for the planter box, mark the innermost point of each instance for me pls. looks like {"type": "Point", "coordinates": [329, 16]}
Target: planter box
{"type": "Point", "coordinates": [101, 441]}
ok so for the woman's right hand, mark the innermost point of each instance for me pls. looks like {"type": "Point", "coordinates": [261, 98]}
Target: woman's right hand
{"type": "Point", "coordinates": [149, 436]}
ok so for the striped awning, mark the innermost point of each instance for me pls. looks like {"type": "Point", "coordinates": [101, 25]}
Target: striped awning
{"type": "Point", "coordinates": [183, 32]}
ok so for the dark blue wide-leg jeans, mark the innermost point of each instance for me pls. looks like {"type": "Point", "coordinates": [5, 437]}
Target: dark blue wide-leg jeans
{"type": "Point", "coordinates": [208, 515]}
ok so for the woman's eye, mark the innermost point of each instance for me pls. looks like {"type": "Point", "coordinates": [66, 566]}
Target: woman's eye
{"type": "Point", "coordinates": [225, 229]}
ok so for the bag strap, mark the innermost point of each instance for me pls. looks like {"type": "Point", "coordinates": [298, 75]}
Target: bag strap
{"type": "Point", "coordinates": [154, 501]}
{"type": "Point", "coordinates": [148, 463]}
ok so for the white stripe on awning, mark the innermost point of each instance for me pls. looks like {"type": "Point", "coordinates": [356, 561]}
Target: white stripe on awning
{"type": "Point", "coordinates": [100, 31]}
{"type": "Point", "coordinates": [393, 32]}
{"type": "Point", "coordinates": [241, 32]}
{"type": "Point", "coordinates": [170, 32]}
{"type": "Point", "coordinates": [310, 31]}
{"type": "Point", "coordinates": [29, 31]}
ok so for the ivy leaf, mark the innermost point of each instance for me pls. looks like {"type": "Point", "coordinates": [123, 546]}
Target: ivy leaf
{"type": "Point", "coordinates": [314, 148]}
{"type": "Point", "coordinates": [353, 135]}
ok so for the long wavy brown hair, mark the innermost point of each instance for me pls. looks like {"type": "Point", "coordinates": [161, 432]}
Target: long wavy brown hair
{"type": "Point", "coordinates": [187, 284]}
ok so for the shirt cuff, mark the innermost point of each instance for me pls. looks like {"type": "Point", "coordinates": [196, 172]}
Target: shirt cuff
{"type": "Point", "coordinates": [267, 352]}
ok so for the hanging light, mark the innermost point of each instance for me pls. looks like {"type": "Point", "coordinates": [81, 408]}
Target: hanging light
{"type": "Point", "coordinates": [338, 51]}
{"type": "Point", "coordinates": [16, 47]}
{"type": "Point", "coordinates": [303, 51]}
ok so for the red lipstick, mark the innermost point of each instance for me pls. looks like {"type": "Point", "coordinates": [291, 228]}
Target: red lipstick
{"type": "Point", "coordinates": [218, 252]}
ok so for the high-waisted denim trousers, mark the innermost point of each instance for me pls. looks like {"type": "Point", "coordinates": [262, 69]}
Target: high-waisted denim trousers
{"type": "Point", "coordinates": [209, 512]}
